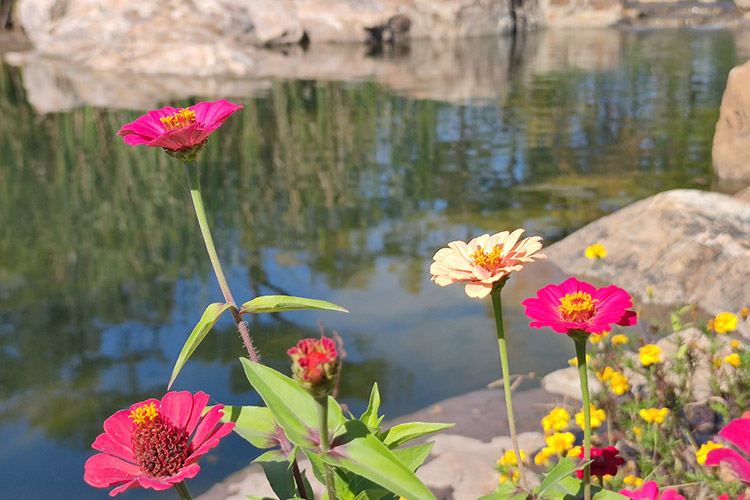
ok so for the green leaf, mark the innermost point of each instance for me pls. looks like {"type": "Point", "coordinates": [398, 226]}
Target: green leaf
{"type": "Point", "coordinates": [291, 406]}
{"type": "Point", "coordinates": [403, 433]}
{"type": "Point", "coordinates": [371, 495]}
{"type": "Point", "coordinates": [280, 477]}
{"type": "Point", "coordinates": [207, 321]}
{"type": "Point", "coordinates": [506, 491]}
{"type": "Point", "coordinates": [563, 469]}
{"type": "Point", "coordinates": [370, 416]}
{"type": "Point", "coordinates": [359, 451]}
{"type": "Point", "coordinates": [414, 456]}
{"type": "Point", "coordinates": [256, 425]}
{"type": "Point", "coordinates": [571, 488]}
{"type": "Point", "coordinates": [279, 303]}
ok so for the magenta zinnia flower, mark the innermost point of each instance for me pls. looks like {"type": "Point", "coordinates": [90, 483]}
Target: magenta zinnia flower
{"type": "Point", "coordinates": [577, 306]}
{"type": "Point", "coordinates": [604, 461]}
{"type": "Point", "coordinates": [484, 261]}
{"type": "Point", "coordinates": [315, 364]}
{"type": "Point", "coordinates": [175, 129]}
{"type": "Point", "coordinates": [650, 491]}
{"type": "Point", "coordinates": [155, 444]}
{"type": "Point", "coordinates": [738, 433]}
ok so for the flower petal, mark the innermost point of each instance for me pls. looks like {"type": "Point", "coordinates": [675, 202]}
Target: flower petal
{"type": "Point", "coordinates": [734, 460]}
{"type": "Point", "coordinates": [738, 432]}
{"type": "Point", "coordinates": [176, 406]}
{"type": "Point", "coordinates": [102, 471]}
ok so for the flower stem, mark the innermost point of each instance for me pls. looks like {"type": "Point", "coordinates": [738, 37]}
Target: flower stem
{"type": "Point", "coordinates": [583, 376]}
{"type": "Point", "coordinates": [325, 445]}
{"type": "Point", "coordinates": [498, 308]}
{"type": "Point", "coordinates": [213, 256]}
{"type": "Point", "coordinates": [298, 479]}
{"type": "Point", "coordinates": [182, 491]}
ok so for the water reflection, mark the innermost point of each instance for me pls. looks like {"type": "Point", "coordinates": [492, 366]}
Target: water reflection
{"type": "Point", "coordinates": [335, 190]}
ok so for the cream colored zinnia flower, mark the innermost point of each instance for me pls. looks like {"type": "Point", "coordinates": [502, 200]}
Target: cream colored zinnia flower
{"type": "Point", "coordinates": [484, 261]}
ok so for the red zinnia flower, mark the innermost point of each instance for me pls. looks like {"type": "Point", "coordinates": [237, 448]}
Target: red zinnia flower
{"type": "Point", "coordinates": [577, 306]}
{"type": "Point", "coordinates": [175, 129]}
{"type": "Point", "coordinates": [650, 491]}
{"type": "Point", "coordinates": [604, 461]}
{"type": "Point", "coordinates": [155, 444]}
{"type": "Point", "coordinates": [315, 364]}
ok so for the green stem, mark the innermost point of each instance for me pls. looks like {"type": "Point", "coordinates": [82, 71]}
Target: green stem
{"type": "Point", "coordinates": [498, 308]}
{"type": "Point", "coordinates": [182, 491]}
{"type": "Point", "coordinates": [325, 445]}
{"type": "Point", "coordinates": [213, 256]}
{"type": "Point", "coordinates": [584, 378]}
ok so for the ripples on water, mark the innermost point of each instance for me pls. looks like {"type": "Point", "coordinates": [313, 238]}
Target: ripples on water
{"type": "Point", "coordinates": [340, 190]}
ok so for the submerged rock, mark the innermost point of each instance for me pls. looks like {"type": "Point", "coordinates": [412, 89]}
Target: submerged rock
{"type": "Point", "coordinates": [689, 247]}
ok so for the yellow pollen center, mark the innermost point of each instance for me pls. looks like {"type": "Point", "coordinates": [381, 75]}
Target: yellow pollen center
{"type": "Point", "coordinates": [577, 307]}
{"type": "Point", "coordinates": [181, 119]}
{"type": "Point", "coordinates": [488, 260]}
{"type": "Point", "coordinates": [144, 414]}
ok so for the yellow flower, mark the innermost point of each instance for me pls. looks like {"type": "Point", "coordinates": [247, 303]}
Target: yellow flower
{"type": "Point", "coordinates": [595, 338]}
{"type": "Point", "coordinates": [655, 415]}
{"type": "Point", "coordinates": [543, 456]}
{"type": "Point", "coordinates": [650, 292]}
{"type": "Point", "coordinates": [607, 477]}
{"type": "Point", "coordinates": [637, 431]}
{"type": "Point", "coordinates": [632, 480]}
{"type": "Point", "coordinates": [597, 417]}
{"type": "Point", "coordinates": [510, 458]}
{"type": "Point", "coordinates": [574, 452]}
{"type": "Point", "coordinates": [605, 374]}
{"type": "Point", "coordinates": [702, 453]}
{"type": "Point", "coordinates": [596, 251]}
{"type": "Point", "coordinates": [619, 383]}
{"type": "Point", "coordinates": [736, 344]}
{"type": "Point", "coordinates": [649, 354]}
{"type": "Point", "coordinates": [504, 478]}
{"type": "Point", "coordinates": [560, 442]}
{"type": "Point", "coordinates": [620, 339]}
{"type": "Point", "coordinates": [557, 420]}
{"type": "Point", "coordinates": [574, 361]}
{"type": "Point", "coordinates": [744, 312]}
{"type": "Point", "coordinates": [733, 359]}
{"type": "Point", "coordinates": [717, 363]}
{"type": "Point", "coordinates": [725, 322]}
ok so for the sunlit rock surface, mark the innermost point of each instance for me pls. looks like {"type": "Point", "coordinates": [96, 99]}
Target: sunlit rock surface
{"type": "Point", "coordinates": [731, 149]}
{"type": "Point", "coordinates": [690, 247]}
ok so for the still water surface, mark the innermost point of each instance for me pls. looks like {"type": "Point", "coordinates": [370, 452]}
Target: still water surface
{"type": "Point", "coordinates": [328, 189]}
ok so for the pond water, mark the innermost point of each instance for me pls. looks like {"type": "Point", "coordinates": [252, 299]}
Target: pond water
{"type": "Point", "coordinates": [338, 190]}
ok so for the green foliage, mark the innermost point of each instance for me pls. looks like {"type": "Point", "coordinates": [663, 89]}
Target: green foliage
{"type": "Point", "coordinates": [280, 303]}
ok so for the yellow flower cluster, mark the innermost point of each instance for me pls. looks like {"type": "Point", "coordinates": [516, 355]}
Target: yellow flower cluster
{"type": "Point", "coordinates": [655, 415]}
{"type": "Point", "coordinates": [631, 480]}
{"type": "Point", "coordinates": [702, 452]}
{"type": "Point", "coordinates": [596, 251]}
{"type": "Point", "coordinates": [596, 338]}
{"type": "Point", "coordinates": [574, 361]}
{"type": "Point", "coordinates": [649, 354]}
{"type": "Point", "coordinates": [510, 458]}
{"type": "Point", "coordinates": [617, 381]}
{"type": "Point", "coordinates": [725, 322]}
{"type": "Point", "coordinates": [557, 444]}
{"type": "Point", "coordinates": [736, 344]}
{"type": "Point", "coordinates": [733, 359]}
{"type": "Point", "coordinates": [597, 417]}
{"type": "Point", "coordinates": [620, 339]}
{"type": "Point", "coordinates": [504, 477]}
{"type": "Point", "coordinates": [557, 420]}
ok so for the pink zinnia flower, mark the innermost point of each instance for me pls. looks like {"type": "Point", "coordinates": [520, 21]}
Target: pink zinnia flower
{"type": "Point", "coordinates": [484, 261]}
{"type": "Point", "coordinates": [315, 365]}
{"type": "Point", "coordinates": [650, 491]}
{"type": "Point", "coordinates": [175, 129]}
{"type": "Point", "coordinates": [577, 306]}
{"type": "Point", "coordinates": [604, 461]}
{"type": "Point", "coordinates": [155, 444]}
{"type": "Point", "coordinates": [737, 432]}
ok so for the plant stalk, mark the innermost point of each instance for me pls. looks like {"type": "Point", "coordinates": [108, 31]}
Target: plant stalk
{"type": "Point", "coordinates": [213, 256]}
{"type": "Point", "coordinates": [583, 376]}
{"type": "Point", "coordinates": [498, 308]}
{"type": "Point", "coordinates": [298, 479]}
{"type": "Point", "coordinates": [325, 445]}
{"type": "Point", "coordinates": [182, 491]}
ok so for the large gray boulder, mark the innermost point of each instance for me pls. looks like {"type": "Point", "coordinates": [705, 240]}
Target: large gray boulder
{"type": "Point", "coordinates": [690, 247]}
{"type": "Point", "coordinates": [731, 148]}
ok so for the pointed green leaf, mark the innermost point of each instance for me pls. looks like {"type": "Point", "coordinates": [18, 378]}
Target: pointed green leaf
{"type": "Point", "coordinates": [506, 491]}
{"type": "Point", "coordinates": [571, 488]}
{"type": "Point", "coordinates": [371, 495]}
{"type": "Point", "coordinates": [563, 469]}
{"type": "Point", "coordinates": [291, 406]}
{"type": "Point", "coordinates": [256, 425]}
{"type": "Point", "coordinates": [403, 433]}
{"type": "Point", "coordinates": [279, 303]}
{"type": "Point", "coordinates": [414, 456]}
{"type": "Point", "coordinates": [370, 416]}
{"type": "Point", "coordinates": [207, 321]}
{"type": "Point", "coordinates": [280, 478]}
{"type": "Point", "coordinates": [359, 451]}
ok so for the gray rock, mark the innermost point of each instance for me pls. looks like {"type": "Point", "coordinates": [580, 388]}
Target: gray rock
{"type": "Point", "coordinates": [731, 148]}
{"type": "Point", "coordinates": [690, 247]}
{"type": "Point", "coordinates": [565, 382]}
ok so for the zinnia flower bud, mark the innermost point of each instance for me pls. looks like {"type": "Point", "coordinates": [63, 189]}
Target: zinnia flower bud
{"type": "Point", "coordinates": [315, 365]}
